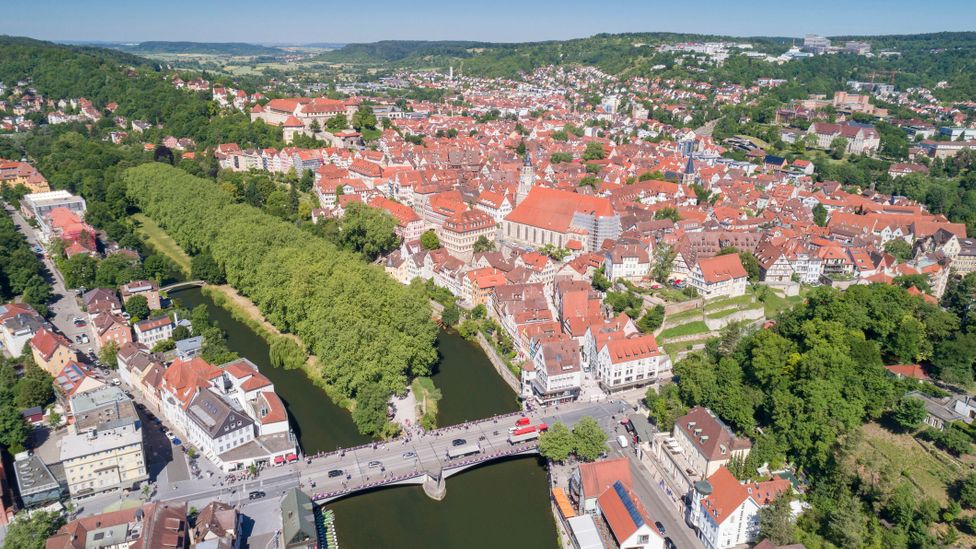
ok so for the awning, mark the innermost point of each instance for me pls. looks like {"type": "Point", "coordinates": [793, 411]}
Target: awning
{"type": "Point", "coordinates": [279, 459]}
{"type": "Point", "coordinates": [291, 457]}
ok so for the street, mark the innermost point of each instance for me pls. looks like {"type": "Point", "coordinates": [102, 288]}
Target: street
{"type": "Point", "coordinates": [64, 306]}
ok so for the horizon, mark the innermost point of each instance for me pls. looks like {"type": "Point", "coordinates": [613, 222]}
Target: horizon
{"type": "Point", "coordinates": [506, 21]}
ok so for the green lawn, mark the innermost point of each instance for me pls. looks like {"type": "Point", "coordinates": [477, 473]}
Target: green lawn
{"type": "Point", "coordinates": [693, 314]}
{"type": "Point", "coordinates": [776, 303]}
{"type": "Point", "coordinates": [157, 238]}
{"type": "Point", "coordinates": [724, 313]}
{"type": "Point", "coordinates": [899, 455]}
{"type": "Point", "coordinates": [673, 348]}
{"type": "Point", "coordinates": [697, 327]}
{"type": "Point", "coordinates": [746, 299]}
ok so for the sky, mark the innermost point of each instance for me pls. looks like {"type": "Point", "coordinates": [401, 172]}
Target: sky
{"type": "Point", "coordinates": [308, 21]}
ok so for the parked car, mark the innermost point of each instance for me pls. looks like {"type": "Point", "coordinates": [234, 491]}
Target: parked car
{"type": "Point", "coordinates": [78, 322]}
{"type": "Point", "coordinates": [660, 527]}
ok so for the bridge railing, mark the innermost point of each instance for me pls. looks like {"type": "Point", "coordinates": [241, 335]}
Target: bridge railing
{"type": "Point", "coordinates": [440, 430]}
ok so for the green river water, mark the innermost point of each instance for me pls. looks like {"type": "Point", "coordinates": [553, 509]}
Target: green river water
{"type": "Point", "coordinates": [504, 504]}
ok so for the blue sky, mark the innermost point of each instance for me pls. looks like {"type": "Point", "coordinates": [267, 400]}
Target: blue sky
{"type": "Point", "coordinates": [297, 21]}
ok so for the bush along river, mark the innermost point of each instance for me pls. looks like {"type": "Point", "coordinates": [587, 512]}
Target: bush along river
{"type": "Point", "coordinates": [503, 504]}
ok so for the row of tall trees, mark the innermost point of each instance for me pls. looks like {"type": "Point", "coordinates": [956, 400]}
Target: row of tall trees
{"type": "Point", "coordinates": [367, 331]}
{"type": "Point", "coordinates": [21, 272]}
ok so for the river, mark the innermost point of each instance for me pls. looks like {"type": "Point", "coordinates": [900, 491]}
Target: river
{"type": "Point", "coordinates": [504, 504]}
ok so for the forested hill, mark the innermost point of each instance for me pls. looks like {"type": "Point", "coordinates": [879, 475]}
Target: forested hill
{"type": "Point", "coordinates": [142, 92]}
{"type": "Point", "coordinates": [925, 58]}
{"type": "Point", "coordinates": [212, 48]}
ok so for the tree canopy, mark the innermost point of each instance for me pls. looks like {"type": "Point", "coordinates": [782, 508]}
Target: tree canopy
{"type": "Point", "coordinates": [364, 328]}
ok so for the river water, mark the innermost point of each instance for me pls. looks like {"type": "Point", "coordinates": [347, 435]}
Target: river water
{"type": "Point", "coordinates": [504, 504]}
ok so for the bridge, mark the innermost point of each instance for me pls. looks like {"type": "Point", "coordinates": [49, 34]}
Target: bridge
{"type": "Point", "coordinates": [414, 458]}
{"type": "Point", "coordinates": [186, 284]}
{"type": "Point", "coordinates": [424, 459]}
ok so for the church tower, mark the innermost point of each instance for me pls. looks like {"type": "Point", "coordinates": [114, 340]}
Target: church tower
{"type": "Point", "coordinates": [690, 177]}
{"type": "Point", "coordinates": [526, 179]}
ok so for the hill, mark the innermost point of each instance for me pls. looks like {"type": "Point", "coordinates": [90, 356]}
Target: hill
{"type": "Point", "coordinates": [205, 48]}
{"type": "Point", "coordinates": [925, 58]}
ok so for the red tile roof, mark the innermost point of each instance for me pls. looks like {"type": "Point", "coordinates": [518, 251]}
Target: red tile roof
{"type": "Point", "coordinates": [553, 209]}
{"type": "Point", "coordinates": [721, 268]}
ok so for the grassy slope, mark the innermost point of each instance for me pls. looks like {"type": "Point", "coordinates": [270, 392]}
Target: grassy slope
{"type": "Point", "coordinates": [162, 242]}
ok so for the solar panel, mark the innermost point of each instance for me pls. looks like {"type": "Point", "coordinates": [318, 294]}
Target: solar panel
{"type": "Point", "coordinates": [628, 503]}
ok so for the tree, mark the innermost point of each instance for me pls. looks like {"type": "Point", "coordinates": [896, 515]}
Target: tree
{"type": "Point", "coordinates": [32, 532]}
{"type": "Point", "coordinates": [370, 411]}
{"type": "Point", "coordinates": [163, 153]}
{"type": "Point", "coordinates": [364, 119]}
{"type": "Point", "coordinates": [665, 406]}
{"type": "Point", "coordinates": [451, 315]}
{"type": "Point", "coordinates": [589, 440]}
{"type": "Point", "coordinates": [306, 181]}
{"type": "Point", "coordinates": [53, 419]}
{"type": "Point", "coordinates": [203, 267]}
{"type": "Point", "coordinates": [967, 491]}
{"type": "Point", "coordinates": [163, 346]}
{"type": "Point", "coordinates": [652, 319]}
{"type": "Point", "coordinates": [594, 151]}
{"type": "Point", "coordinates": [909, 413]}
{"type": "Point", "coordinates": [337, 123]}
{"type": "Point", "coordinates": [78, 271]}
{"type": "Point", "coordinates": [664, 260]}
{"type": "Point", "coordinates": [180, 333]}
{"type": "Point", "coordinates": [430, 241]}
{"type": "Point", "coordinates": [838, 147]}
{"type": "Point", "coordinates": [668, 212]}
{"type": "Point", "coordinates": [820, 215]}
{"type": "Point", "coordinates": [751, 265]}
{"type": "Point", "coordinates": [776, 521]}
{"type": "Point", "coordinates": [556, 443]}
{"type": "Point", "coordinates": [13, 429]}
{"type": "Point", "coordinates": [109, 354]}
{"type": "Point", "coordinates": [483, 245]}
{"type": "Point", "coordinates": [36, 391]}
{"type": "Point", "coordinates": [368, 231]}
{"type": "Point", "coordinates": [138, 307]}
{"type": "Point", "coordinates": [899, 248]}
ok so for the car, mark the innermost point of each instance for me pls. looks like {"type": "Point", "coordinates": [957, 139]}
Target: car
{"type": "Point", "coordinates": [375, 464]}
{"type": "Point", "coordinates": [335, 473]}
{"type": "Point", "coordinates": [458, 442]}
{"type": "Point", "coordinates": [176, 441]}
{"type": "Point", "coordinates": [409, 455]}
{"type": "Point", "coordinates": [84, 338]}
{"type": "Point", "coordinates": [116, 382]}
{"type": "Point", "coordinates": [256, 494]}
{"type": "Point", "coordinates": [669, 544]}
{"type": "Point", "coordinates": [660, 527]}
{"type": "Point", "coordinates": [78, 322]}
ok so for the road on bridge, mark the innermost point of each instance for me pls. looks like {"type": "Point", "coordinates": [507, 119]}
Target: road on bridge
{"type": "Point", "coordinates": [407, 460]}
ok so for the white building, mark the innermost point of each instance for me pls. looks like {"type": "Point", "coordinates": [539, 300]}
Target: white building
{"type": "Point", "coordinates": [623, 363]}
{"type": "Point", "coordinates": [719, 276]}
{"type": "Point", "coordinates": [558, 376]}
{"type": "Point", "coordinates": [725, 512]}
{"type": "Point", "coordinates": [628, 261]}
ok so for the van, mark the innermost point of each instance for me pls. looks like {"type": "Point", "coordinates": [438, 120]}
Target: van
{"type": "Point", "coordinates": [622, 441]}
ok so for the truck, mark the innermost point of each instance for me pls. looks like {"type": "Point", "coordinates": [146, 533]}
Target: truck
{"type": "Point", "coordinates": [523, 434]}
{"type": "Point", "coordinates": [462, 450]}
